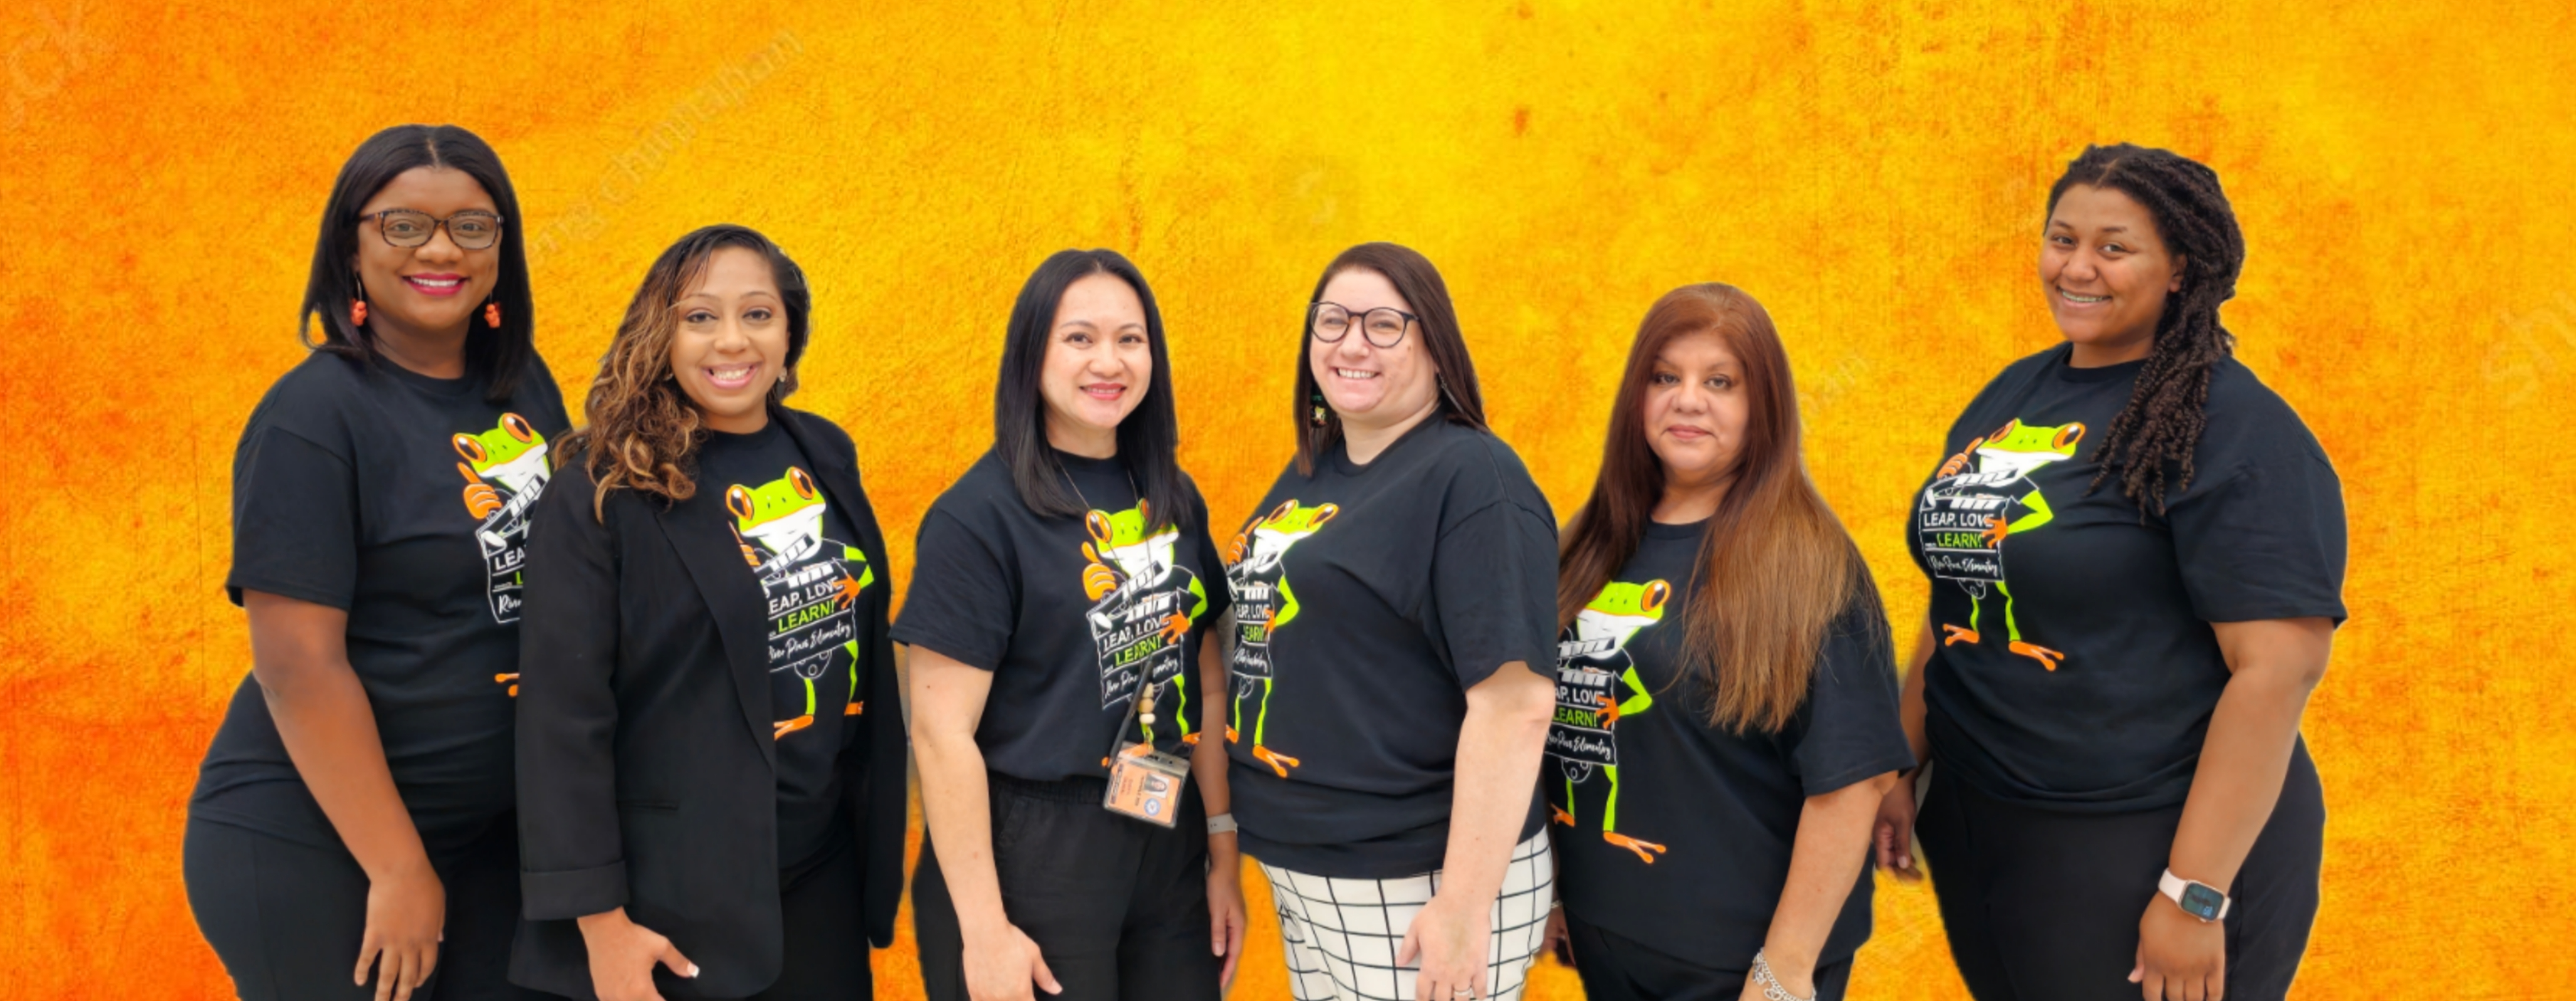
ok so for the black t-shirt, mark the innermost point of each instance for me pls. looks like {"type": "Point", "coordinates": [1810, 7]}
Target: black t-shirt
{"type": "Point", "coordinates": [1678, 833]}
{"type": "Point", "coordinates": [1368, 599]}
{"type": "Point", "coordinates": [1072, 615]}
{"type": "Point", "coordinates": [806, 558]}
{"type": "Point", "coordinates": [2076, 668]}
{"type": "Point", "coordinates": [402, 500]}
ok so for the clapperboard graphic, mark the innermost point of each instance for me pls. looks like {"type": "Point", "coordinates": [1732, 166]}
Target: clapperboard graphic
{"type": "Point", "coordinates": [1580, 734]}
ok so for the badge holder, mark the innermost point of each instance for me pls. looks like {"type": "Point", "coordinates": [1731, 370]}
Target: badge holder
{"type": "Point", "coordinates": [1144, 783]}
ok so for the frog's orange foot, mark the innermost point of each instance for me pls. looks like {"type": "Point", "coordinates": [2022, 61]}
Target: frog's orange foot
{"type": "Point", "coordinates": [1560, 815]}
{"type": "Point", "coordinates": [1278, 762]}
{"type": "Point", "coordinates": [481, 499]}
{"type": "Point", "coordinates": [1634, 845]}
{"type": "Point", "coordinates": [2046, 657]}
{"type": "Point", "coordinates": [848, 592]}
{"type": "Point", "coordinates": [750, 557]}
{"type": "Point", "coordinates": [788, 726]}
{"type": "Point", "coordinates": [1098, 580]}
{"type": "Point", "coordinates": [1609, 712]}
{"type": "Point", "coordinates": [1957, 634]}
{"type": "Point", "coordinates": [854, 709]}
{"type": "Point", "coordinates": [1175, 626]}
{"type": "Point", "coordinates": [1996, 529]}
{"type": "Point", "coordinates": [1191, 739]}
{"type": "Point", "coordinates": [511, 680]}
{"type": "Point", "coordinates": [1232, 737]}
{"type": "Point", "coordinates": [1234, 550]}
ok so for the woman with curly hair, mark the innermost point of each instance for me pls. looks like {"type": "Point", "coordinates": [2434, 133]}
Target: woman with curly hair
{"type": "Point", "coordinates": [711, 750]}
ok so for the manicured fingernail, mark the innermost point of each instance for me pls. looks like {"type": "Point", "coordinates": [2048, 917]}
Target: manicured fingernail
{"type": "Point", "coordinates": [693, 970]}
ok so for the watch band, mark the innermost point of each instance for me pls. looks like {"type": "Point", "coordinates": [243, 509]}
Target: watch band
{"type": "Point", "coordinates": [2179, 890]}
{"type": "Point", "coordinates": [1222, 823]}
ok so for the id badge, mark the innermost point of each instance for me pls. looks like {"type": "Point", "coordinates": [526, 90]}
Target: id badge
{"type": "Point", "coordinates": [1146, 784]}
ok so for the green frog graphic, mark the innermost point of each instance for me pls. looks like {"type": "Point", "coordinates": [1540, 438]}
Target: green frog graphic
{"type": "Point", "coordinates": [811, 583]}
{"type": "Point", "coordinates": [1967, 514]}
{"type": "Point", "coordinates": [1143, 602]}
{"type": "Point", "coordinates": [505, 471]}
{"type": "Point", "coordinates": [1264, 604]}
{"type": "Point", "coordinates": [1592, 665]}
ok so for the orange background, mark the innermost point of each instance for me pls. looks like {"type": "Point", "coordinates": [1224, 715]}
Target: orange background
{"type": "Point", "coordinates": [1873, 173]}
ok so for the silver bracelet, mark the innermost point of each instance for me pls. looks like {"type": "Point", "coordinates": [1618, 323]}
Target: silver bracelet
{"type": "Point", "coordinates": [1222, 823]}
{"type": "Point", "coordinates": [1772, 990]}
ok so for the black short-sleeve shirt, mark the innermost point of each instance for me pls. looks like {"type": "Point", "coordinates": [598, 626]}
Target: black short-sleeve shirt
{"type": "Point", "coordinates": [1676, 832]}
{"type": "Point", "coordinates": [402, 500]}
{"type": "Point", "coordinates": [1073, 615]}
{"type": "Point", "coordinates": [2076, 668]}
{"type": "Point", "coordinates": [811, 572]}
{"type": "Point", "coordinates": [1368, 599]}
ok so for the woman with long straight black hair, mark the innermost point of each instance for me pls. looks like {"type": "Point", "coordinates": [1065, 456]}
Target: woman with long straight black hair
{"type": "Point", "coordinates": [711, 761]}
{"type": "Point", "coordinates": [2136, 552]}
{"type": "Point", "coordinates": [1719, 750]}
{"type": "Point", "coordinates": [1057, 657]}
{"type": "Point", "coordinates": [351, 833]}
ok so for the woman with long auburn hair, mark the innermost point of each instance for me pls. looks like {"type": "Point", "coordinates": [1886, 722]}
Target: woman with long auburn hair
{"type": "Point", "coordinates": [1726, 697]}
{"type": "Point", "coordinates": [711, 746]}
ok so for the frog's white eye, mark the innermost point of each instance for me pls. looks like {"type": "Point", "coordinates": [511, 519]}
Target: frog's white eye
{"type": "Point", "coordinates": [472, 450]}
{"type": "Point", "coordinates": [518, 427]}
{"type": "Point", "coordinates": [738, 501]}
{"type": "Point", "coordinates": [804, 484]}
{"type": "Point", "coordinates": [1097, 523]}
{"type": "Point", "coordinates": [2068, 435]}
{"type": "Point", "coordinates": [1657, 592]}
{"type": "Point", "coordinates": [1324, 514]}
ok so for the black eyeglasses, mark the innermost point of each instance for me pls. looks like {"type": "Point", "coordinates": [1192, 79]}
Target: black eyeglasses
{"type": "Point", "coordinates": [472, 229]}
{"type": "Point", "coordinates": [1384, 326]}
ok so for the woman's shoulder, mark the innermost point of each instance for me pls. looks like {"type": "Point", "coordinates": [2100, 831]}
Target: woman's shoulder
{"type": "Point", "coordinates": [982, 492]}
{"type": "Point", "coordinates": [2245, 419]}
{"type": "Point", "coordinates": [1480, 468]}
{"type": "Point", "coordinates": [312, 400]}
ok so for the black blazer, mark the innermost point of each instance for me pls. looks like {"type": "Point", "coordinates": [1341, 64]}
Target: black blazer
{"type": "Point", "coordinates": [649, 782]}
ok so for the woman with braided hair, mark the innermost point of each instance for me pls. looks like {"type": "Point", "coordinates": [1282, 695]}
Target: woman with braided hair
{"type": "Point", "coordinates": [2136, 553]}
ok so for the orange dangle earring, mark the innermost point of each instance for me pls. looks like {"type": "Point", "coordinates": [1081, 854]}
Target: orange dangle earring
{"type": "Point", "coordinates": [358, 305]}
{"type": "Point", "coordinates": [492, 315]}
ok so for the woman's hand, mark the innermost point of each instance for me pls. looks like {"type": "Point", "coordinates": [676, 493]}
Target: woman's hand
{"type": "Point", "coordinates": [406, 913]}
{"type": "Point", "coordinates": [2180, 957]}
{"type": "Point", "coordinates": [1449, 938]}
{"type": "Point", "coordinates": [1892, 839]}
{"type": "Point", "coordinates": [1002, 962]}
{"type": "Point", "coordinates": [622, 954]}
{"type": "Point", "coordinates": [1226, 920]}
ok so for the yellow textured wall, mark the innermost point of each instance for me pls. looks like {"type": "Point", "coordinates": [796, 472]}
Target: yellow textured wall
{"type": "Point", "coordinates": [1873, 173]}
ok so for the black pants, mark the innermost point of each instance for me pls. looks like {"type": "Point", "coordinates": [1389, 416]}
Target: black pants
{"type": "Point", "coordinates": [825, 955]}
{"type": "Point", "coordinates": [1615, 967]}
{"type": "Point", "coordinates": [1118, 907]}
{"type": "Point", "coordinates": [2042, 906]}
{"type": "Point", "coordinates": [286, 917]}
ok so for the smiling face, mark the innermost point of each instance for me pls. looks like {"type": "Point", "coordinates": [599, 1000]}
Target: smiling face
{"type": "Point", "coordinates": [1098, 364]}
{"type": "Point", "coordinates": [2106, 272]}
{"type": "Point", "coordinates": [429, 292]}
{"type": "Point", "coordinates": [1695, 409]}
{"type": "Point", "coordinates": [1369, 386]}
{"type": "Point", "coordinates": [730, 343]}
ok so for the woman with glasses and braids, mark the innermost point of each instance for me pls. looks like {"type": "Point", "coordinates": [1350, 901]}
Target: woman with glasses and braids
{"type": "Point", "coordinates": [1058, 656]}
{"type": "Point", "coordinates": [351, 833]}
{"type": "Point", "coordinates": [1395, 612]}
{"type": "Point", "coordinates": [2136, 552]}
{"type": "Point", "coordinates": [711, 749]}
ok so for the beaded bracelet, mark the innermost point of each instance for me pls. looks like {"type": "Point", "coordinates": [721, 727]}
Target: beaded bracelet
{"type": "Point", "coordinates": [1772, 989]}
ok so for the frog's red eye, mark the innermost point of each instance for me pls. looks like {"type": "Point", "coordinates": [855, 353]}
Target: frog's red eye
{"type": "Point", "coordinates": [1657, 593]}
{"type": "Point", "coordinates": [472, 450]}
{"type": "Point", "coordinates": [804, 484]}
{"type": "Point", "coordinates": [738, 501]}
{"type": "Point", "coordinates": [2068, 435]}
{"type": "Point", "coordinates": [518, 427]}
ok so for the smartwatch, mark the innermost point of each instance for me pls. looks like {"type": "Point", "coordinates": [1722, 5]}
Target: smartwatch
{"type": "Point", "coordinates": [2200, 900]}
